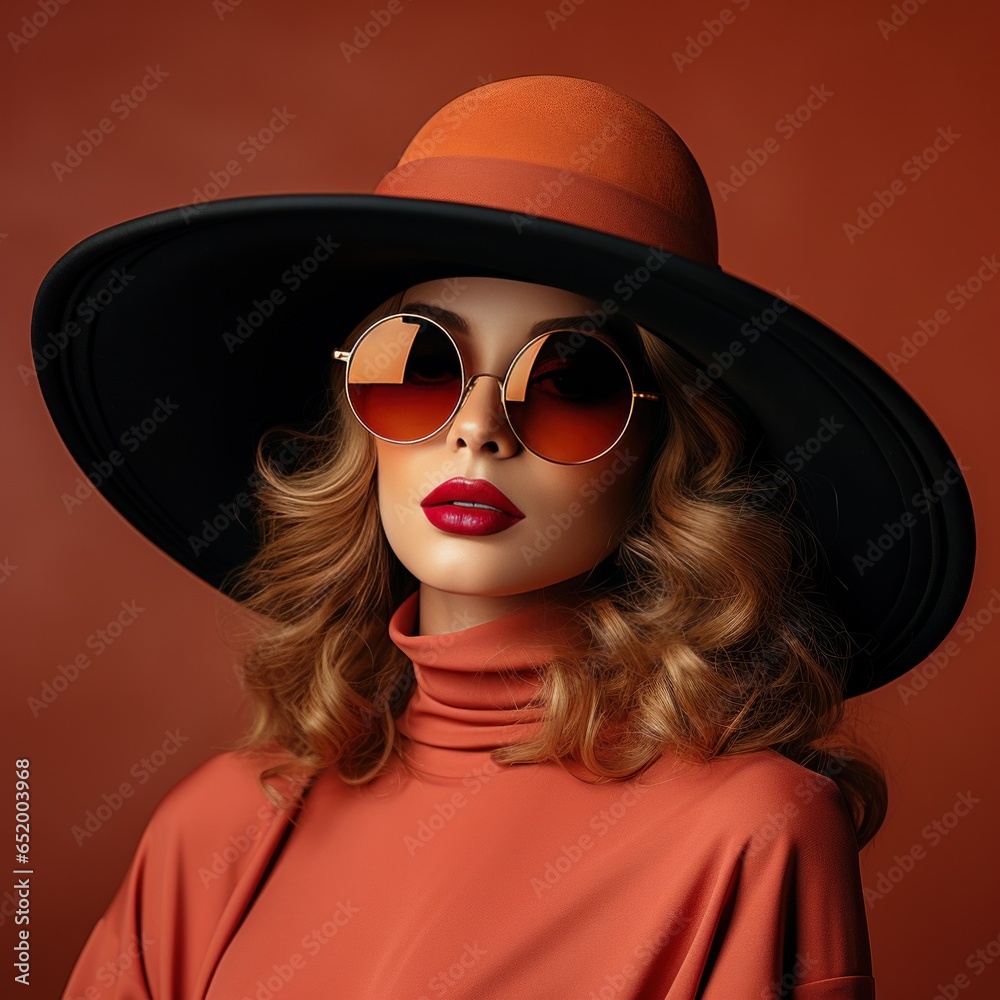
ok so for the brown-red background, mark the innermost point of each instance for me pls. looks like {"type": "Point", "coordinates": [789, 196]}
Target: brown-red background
{"type": "Point", "coordinates": [67, 573]}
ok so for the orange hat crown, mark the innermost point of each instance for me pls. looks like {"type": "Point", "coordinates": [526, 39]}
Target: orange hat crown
{"type": "Point", "coordinates": [567, 149]}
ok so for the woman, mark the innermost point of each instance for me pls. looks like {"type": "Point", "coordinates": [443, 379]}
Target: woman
{"type": "Point", "coordinates": [546, 693]}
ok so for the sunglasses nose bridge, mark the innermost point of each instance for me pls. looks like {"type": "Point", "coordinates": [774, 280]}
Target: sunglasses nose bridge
{"type": "Point", "coordinates": [470, 384]}
{"type": "Point", "coordinates": [498, 416]}
{"type": "Point", "coordinates": [472, 379]}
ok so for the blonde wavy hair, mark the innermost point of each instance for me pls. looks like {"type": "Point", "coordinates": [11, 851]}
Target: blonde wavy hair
{"type": "Point", "coordinates": [706, 640]}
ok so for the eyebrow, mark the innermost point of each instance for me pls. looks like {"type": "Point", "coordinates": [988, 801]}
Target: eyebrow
{"type": "Point", "coordinates": [454, 322]}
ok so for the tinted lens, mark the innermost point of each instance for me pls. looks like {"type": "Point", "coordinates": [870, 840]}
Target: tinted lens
{"type": "Point", "coordinates": [405, 378]}
{"type": "Point", "coordinates": [569, 396]}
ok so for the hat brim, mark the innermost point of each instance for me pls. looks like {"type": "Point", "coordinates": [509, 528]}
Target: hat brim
{"type": "Point", "coordinates": [161, 393]}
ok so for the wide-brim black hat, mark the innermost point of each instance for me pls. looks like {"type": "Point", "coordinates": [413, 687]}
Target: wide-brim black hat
{"type": "Point", "coordinates": [167, 345]}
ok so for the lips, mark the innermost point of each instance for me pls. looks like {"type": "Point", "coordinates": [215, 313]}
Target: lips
{"type": "Point", "coordinates": [477, 491]}
{"type": "Point", "coordinates": [469, 507]}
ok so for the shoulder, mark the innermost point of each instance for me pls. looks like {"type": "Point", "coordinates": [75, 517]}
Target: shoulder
{"type": "Point", "coordinates": [774, 781]}
{"type": "Point", "coordinates": [214, 788]}
{"type": "Point", "coordinates": [785, 806]}
{"type": "Point", "coordinates": [213, 818]}
{"type": "Point", "coordinates": [763, 800]}
{"type": "Point", "coordinates": [193, 873]}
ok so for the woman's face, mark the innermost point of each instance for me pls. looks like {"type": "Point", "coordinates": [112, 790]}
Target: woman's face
{"type": "Point", "coordinates": [573, 514]}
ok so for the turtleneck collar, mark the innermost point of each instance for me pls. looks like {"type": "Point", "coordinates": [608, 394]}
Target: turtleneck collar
{"type": "Point", "coordinates": [473, 686]}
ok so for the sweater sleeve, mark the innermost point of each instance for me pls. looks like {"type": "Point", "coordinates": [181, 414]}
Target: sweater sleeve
{"type": "Point", "coordinates": [113, 960]}
{"type": "Point", "coordinates": [796, 927]}
{"type": "Point", "coordinates": [193, 873]}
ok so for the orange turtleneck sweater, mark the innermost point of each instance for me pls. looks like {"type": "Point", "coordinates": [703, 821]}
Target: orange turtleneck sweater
{"type": "Point", "coordinates": [455, 877]}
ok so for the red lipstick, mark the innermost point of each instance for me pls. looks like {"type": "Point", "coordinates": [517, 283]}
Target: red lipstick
{"type": "Point", "coordinates": [469, 507]}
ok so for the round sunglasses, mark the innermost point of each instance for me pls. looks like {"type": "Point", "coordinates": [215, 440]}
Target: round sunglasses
{"type": "Point", "coordinates": [568, 396]}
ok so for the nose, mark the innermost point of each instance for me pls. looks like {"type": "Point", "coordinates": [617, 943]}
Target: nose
{"type": "Point", "coordinates": [481, 423]}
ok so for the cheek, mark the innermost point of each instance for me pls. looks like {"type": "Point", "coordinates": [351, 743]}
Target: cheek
{"type": "Point", "coordinates": [608, 494]}
{"type": "Point", "coordinates": [391, 477]}
{"type": "Point", "coordinates": [386, 473]}
{"type": "Point", "coordinates": [598, 498]}
{"type": "Point", "coordinates": [397, 479]}
{"type": "Point", "coordinates": [618, 476]}
{"type": "Point", "coordinates": [397, 468]}
{"type": "Point", "coordinates": [404, 475]}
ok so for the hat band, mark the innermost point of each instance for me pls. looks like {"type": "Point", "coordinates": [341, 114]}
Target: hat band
{"type": "Point", "coordinates": [533, 189]}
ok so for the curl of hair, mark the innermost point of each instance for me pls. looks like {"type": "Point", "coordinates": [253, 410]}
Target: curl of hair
{"type": "Point", "coordinates": [706, 639]}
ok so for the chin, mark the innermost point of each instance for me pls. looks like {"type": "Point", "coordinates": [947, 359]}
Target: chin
{"type": "Point", "coordinates": [473, 576]}
{"type": "Point", "coordinates": [499, 565]}
{"type": "Point", "coordinates": [477, 580]}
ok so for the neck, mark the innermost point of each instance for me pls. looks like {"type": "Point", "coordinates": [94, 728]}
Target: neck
{"type": "Point", "coordinates": [476, 686]}
{"type": "Point", "coordinates": [442, 612]}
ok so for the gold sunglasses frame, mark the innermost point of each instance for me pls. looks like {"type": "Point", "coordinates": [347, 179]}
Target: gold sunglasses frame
{"type": "Point", "coordinates": [467, 382]}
